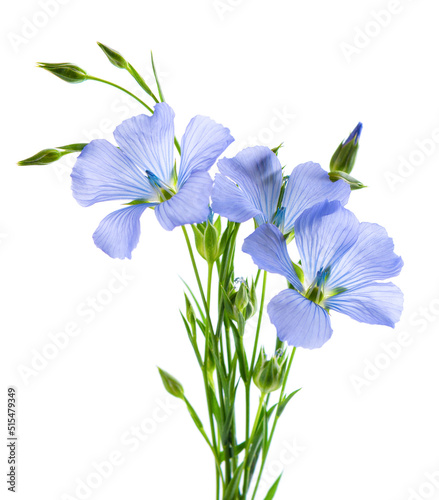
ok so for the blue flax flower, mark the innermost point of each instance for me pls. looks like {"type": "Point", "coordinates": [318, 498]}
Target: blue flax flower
{"type": "Point", "coordinates": [250, 184]}
{"type": "Point", "coordinates": [342, 261]}
{"type": "Point", "coordinates": [142, 171]}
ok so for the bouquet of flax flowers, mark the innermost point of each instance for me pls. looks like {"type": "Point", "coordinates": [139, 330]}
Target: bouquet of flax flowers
{"type": "Point", "coordinates": [343, 263]}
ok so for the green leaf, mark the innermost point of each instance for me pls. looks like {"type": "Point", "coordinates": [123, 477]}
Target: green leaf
{"type": "Point", "coordinates": [272, 490]}
{"type": "Point", "coordinates": [284, 402]}
{"type": "Point", "coordinates": [240, 351]}
{"type": "Point", "coordinates": [232, 490]}
{"type": "Point", "coordinates": [200, 310]}
{"type": "Point", "coordinates": [236, 451]}
{"type": "Point", "coordinates": [193, 414]}
{"type": "Point", "coordinates": [159, 88]}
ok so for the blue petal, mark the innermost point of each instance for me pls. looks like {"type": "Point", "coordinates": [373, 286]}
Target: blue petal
{"type": "Point", "coordinates": [324, 233]}
{"type": "Point", "coordinates": [375, 303]}
{"type": "Point", "coordinates": [118, 234]}
{"type": "Point", "coordinates": [149, 141]}
{"type": "Point", "coordinates": [203, 141]}
{"type": "Point", "coordinates": [248, 185]}
{"type": "Point", "coordinates": [298, 321]}
{"type": "Point", "coordinates": [268, 249]}
{"type": "Point", "coordinates": [308, 185]}
{"type": "Point", "coordinates": [190, 205]}
{"type": "Point", "coordinates": [371, 258]}
{"type": "Point", "coordinates": [103, 173]}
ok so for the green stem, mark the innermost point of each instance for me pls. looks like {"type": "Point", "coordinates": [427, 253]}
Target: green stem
{"type": "Point", "coordinates": [122, 89]}
{"type": "Point", "coordinates": [249, 441]}
{"type": "Point", "coordinates": [276, 418]}
{"type": "Point", "coordinates": [258, 328]}
{"type": "Point", "coordinates": [205, 374]}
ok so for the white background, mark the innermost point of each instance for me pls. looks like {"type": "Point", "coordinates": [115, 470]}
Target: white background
{"type": "Point", "coordinates": [354, 431]}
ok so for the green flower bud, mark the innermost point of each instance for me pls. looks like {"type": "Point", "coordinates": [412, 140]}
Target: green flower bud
{"type": "Point", "coordinates": [66, 71]}
{"type": "Point", "coordinates": [44, 157]}
{"type": "Point", "coordinates": [208, 240]}
{"type": "Point", "coordinates": [114, 57]}
{"type": "Point", "coordinates": [269, 373]}
{"type": "Point", "coordinates": [242, 299]}
{"type": "Point", "coordinates": [343, 159]}
{"type": "Point", "coordinates": [172, 385]}
{"type": "Point", "coordinates": [190, 313]}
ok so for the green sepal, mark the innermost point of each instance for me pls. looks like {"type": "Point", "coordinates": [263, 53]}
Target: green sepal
{"type": "Point", "coordinates": [172, 385]}
{"type": "Point", "coordinates": [240, 350]}
{"type": "Point", "coordinates": [276, 149]}
{"type": "Point", "coordinates": [211, 246]}
{"type": "Point", "coordinates": [299, 272]}
{"type": "Point", "coordinates": [354, 183]}
{"type": "Point", "coordinates": [199, 240]}
{"type": "Point", "coordinates": [66, 71]}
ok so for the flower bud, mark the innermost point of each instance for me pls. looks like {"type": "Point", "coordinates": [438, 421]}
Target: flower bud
{"type": "Point", "coordinates": [66, 71]}
{"type": "Point", "coordinates": [44, 157]}
{"type": "Point", "coordinates": [172, 385]}
{"type": "Point", "coordinates": [208, 239]}
{"type": "Point", "coordinates": [343, 159]}
{"type": "Point", "coordinates": [114, 57]}
{"type": "Point", "coordinates": [269, 373]}
{"type": "Point", "coordinates": [242, 300]}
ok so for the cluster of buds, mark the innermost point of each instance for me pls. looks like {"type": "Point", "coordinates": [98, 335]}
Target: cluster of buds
{"type": "Point", "coordinates": [269, 373]}
{"type": "Point", "coordinates": [242, 299]}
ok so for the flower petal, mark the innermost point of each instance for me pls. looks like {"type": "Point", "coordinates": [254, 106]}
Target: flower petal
{"type": "Point", "coordinates": [149, 141]}
{"type": "Point", "coordinates": [324, 233]}
{"type": "Point", "coordinates": [103, 173]}
{"type": "Point", "coordinates": [298, 321]}
{"type": "Point", "coordinates": [308, 185]}
{"type": "Point", "coordinates": [375, 303]}
{"type": "Point", "coordinates": [371, 258]}
{"type": "Point", "coordinates": [203, 141]}
{"type": "Point", "coordinates": [118, 234]}
{"type": "Point", "coordinates": [248, 185]}
{"type": "Point", "coordinates": [268, 249]}
{"type": "Point", "coordinates": [190, 205]}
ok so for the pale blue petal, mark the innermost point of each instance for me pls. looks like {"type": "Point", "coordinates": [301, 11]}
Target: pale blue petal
{"type": "Point", "coordinates": [268, 249]}
{"type": "Point", "coordinates": [371, 258]}
{"type": "Point", "coordinates": [324, 233]}
{"type": "Point", "coordinates": [308, 185]}
{"type": "Point", "coordinates": [190, 205]}
{"type": "Point", "coordinates": [203, 141]}
{"type": "Point", "coordinates": [375, 303]}
{"type": "Point", "coordinates": [118, 234]}
{"type": "Point", "coordinates": [149, 141]}
{"type": "Point", "coordinates": [298, 321]}
{"type": "Point", "coordinates": [103, 173]}
{"type": "Point", "coordinates": [248, 185]}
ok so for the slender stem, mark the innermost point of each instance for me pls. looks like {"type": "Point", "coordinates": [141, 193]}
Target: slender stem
{"type": "Point", "coordinates": [276, 418]}
{"type": "Point", "coordinates": [205, 374]}
{"type": "Point", "coordinates": [258, 328]}
{"type": "Point", "coordinates": [122, 89]}
{"type": "Point", "coordinates": [249, 441]}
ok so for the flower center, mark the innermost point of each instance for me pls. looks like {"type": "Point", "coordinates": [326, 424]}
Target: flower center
{"type": "Point", "coordinates": [163, 190]}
